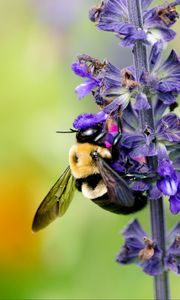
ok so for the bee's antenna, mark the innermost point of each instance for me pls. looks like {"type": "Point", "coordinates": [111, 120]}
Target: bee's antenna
{"type": "Point", "coordinates": [70, 131]}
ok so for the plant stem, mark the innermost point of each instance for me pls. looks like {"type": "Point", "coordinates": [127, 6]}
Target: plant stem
{"type": "Point", "coordinates": [158, 234]}
{"type": "Point", "coordinates": [147, 119]}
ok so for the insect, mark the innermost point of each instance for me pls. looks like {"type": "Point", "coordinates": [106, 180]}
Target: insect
{"type": "Point", "coordinates": [94, 64]}
{"type": "Point", "coordinates": [168, 14]}
{"type": "Point", "coordinates": [90, 172]}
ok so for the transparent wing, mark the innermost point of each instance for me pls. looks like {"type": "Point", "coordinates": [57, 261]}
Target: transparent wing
{"type": "Point", "coordinates": [118, 189]}
{"type": "Point", "coordinates": [56, 201]}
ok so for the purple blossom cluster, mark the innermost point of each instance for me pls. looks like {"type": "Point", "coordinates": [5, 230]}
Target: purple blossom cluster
{"type": "Point", "coordinates": [157, 22]}
{"type": "Point", "coordinates": [113, 88]}
{"type": "Point", "coordinates": [139, 248]}
{"type": "Point", "coordinates": [121, 96]}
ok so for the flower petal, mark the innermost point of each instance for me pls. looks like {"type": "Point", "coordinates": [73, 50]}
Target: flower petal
{"type": "Point", "coordinates": [85, 88]}
{"type": "Point", "coordinates": [175, 202]}
{"type": "Point", "coordinates": [155, 55]}
{"type": "Point", "coordinates": [141, 102]}
{"type": "Point", "coordinates": [85, 121]}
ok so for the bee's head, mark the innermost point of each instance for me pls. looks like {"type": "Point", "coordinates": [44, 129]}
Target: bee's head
{"type": "Point", "coordinates": [90, 135]}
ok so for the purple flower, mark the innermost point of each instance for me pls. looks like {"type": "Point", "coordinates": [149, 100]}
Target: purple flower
{"type": "Point", "coordinates": [118, 85]}
{"type": "Point", "coordinates": [157, 22]}
{"type": "Point", "coordinates": [85, 88]}
{"type": "Point", "coordinates": [140, 249]}
{"type": "Point", "coordinates": [175, 201]}
{"type": "Point", "coordinates": [172, 259]}
{"type": "Point", "coordinates": [165, 79]}
{"type": "Point", "coordinates": [168, 128]}
{"type": "Point", "coordinates": [86, 121]}
{"type": "Point", "coordinates": [141, 102]}
{"type": "Point", "coordinates": [106, 82]}
{"type": "Point", "coordinates": [112, 15]}
{"type": "Point", "coordinates": [140, 144]}
{"type": "Point", "coordinates": [168, 182]}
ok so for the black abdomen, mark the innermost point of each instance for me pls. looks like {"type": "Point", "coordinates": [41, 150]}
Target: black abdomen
{"type": "Point", "coordinates": [106, 202]}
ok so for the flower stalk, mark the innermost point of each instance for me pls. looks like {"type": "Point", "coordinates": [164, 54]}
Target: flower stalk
{"type": "Point", "coordinates": [161, 282]}
{"type": "Point", "coordinates": [157, 218]}
{"type": "Point", "coordinates": [137, 125]}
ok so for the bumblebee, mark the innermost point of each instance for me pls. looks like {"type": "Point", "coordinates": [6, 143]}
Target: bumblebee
{"type": "Point", "coordinates": [91, 173]}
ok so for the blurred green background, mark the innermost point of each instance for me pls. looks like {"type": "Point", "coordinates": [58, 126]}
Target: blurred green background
{"type": "Point", "coordinates": [74, 258]}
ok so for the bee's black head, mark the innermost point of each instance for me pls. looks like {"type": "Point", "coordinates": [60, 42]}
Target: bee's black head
{"type": "Point", "coordinates": [90, 135]}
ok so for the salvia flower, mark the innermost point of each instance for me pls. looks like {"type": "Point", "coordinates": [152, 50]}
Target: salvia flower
{"type": "Point", "coordinates": [140, 249]}
{"type": "Point", "coordinates": [139, 144]}
{"type": "Point", "coordinates": [105, 81]}
{"type": "Point", "coordinates": [90, 84]}
{"type": "Point", "coordinates": [168, 182]}
{"type": "Point", "coordinates": [112, 15]}
{"type": "Point", "coordinates": [136, 123]}
{"type": "Point", "coordinates": [172, 259]}
{"type": "Point", "coordinates": [86, 121]}
{"type": "Point", "coordinates": [175, 201]}
{"type": "Point", "coordinates": [144, 252]}
{"type": "Point", "coordinates": [164, 80]}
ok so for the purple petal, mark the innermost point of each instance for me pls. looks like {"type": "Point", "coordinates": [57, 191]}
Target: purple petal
{"type": "Point", "coordinates": [172, 263]}
{"type": "Point", "coordinates": [144, 150]}
{"type": "Point", "coordinates": [134, 229]}
{"type": "Point", "coordinates": [175, 202]}
{"type": "Point", "coordinates": [146, 3]}
{"type": "Point", "coordinates": [153, 266]}
{"type": "Point", "coordinates": [129, 252]}
{"type": "Point", "coordinates": [172, 260]}
{"type": "Point", "coordinates": [162, 15]}
{"type": "Point", "coordinates": [170, 69]}
{"type": "Point", "coordinates": [81, 70]}
{"type": "Point", "coordinates": [134, 235]}
{"type": "Point", "coordinates": [169, 86]}
{"type": "Point", "coordinates": [138, 35]}
{"type": "Point", "coordinates": [167, 98]}
{"type": "Point", "coordinates": [124, 28]}
{"type": "Point", "coordinates": [112, 13]}
{"type": "Point", "coordinates": [85, 88]}
{"type": "Point", "coordinates": [174, 232]}
{"type": "Point", "coordinates": [85, 121]}
{"type": "Point", "coordinates": [139, 186]}
{"type": "Point", "coordinates": [159, 109]}
{"type": "Point", "coordinates": [155, 55]}
{"type": "Point", "coordinates": [154, 193]}
{"type": "Point", "coordinates": [162, 152]}
{"type": "Point", "coordinates": [160, 33]}
{"type": "Point", "coordinates": [168, 128]}
{"type": "Point", "coordinates": [141, 102]}
{"type": "Point", "coordinates": [165, 168]}
{"type": "Point", "coordinates": [167, 186]}
{"type": "Point", "coordinates": [168, 183]}
{"type": "Point", "coordinates": [131, 140]}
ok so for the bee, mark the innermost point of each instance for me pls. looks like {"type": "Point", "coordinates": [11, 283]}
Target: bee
{"type": "Point", "coordinates": [168, 14]}
{"type": "Point", "coordinates": [95, 66]}
{"type": "Point", "coordinates": [91, 173]}
{"type": "Point", "coordinates": [95, 12]}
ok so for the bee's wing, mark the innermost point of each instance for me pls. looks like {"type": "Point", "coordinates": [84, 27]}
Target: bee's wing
{"type": "Point", "coordinates": [56, 201]}
{"type": "Point", "coordinates": [118, 189]}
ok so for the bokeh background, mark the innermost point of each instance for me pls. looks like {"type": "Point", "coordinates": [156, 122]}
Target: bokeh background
{"type": "Point", "coordinates": [74, 258]}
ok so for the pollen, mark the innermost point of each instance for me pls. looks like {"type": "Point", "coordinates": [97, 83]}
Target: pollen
{"type": "Point", "coordinates": [147, 252]}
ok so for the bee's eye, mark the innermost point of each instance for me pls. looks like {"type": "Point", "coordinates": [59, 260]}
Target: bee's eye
{"type": "Point", "coordinates": [89, 132]}
{"type": "Point", "coordinates": [94, 155]}
{"type": "Point", "coordinates": [75, 157]}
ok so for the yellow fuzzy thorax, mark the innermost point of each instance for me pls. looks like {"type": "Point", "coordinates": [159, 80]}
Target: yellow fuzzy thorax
{"type": "Point", "coordinates": [80, 159]}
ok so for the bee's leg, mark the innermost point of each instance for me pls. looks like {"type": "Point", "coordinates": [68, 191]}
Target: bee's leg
{"type": "Point", "coordinates": [78, 184]}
